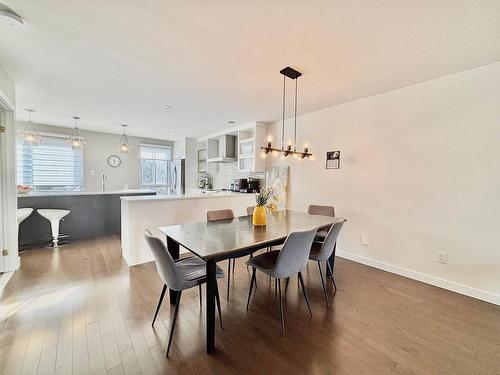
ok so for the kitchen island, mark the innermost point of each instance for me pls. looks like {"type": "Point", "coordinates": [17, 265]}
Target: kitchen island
{"type": "Point", "coordinates": [151, 212]}
{"type": "Point", "coordinates": [92, 214]}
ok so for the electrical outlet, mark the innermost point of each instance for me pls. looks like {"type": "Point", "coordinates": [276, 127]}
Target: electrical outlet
{"type": "Point", "coordinates": [442, 257]}
{"type": "Point", "coordinates": [364, 240]}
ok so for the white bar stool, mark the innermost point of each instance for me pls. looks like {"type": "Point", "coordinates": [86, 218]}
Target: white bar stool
{"type": "Point", "coordinates": [22, 214]}
{"type": "Point", "coordinates": [54, 216]}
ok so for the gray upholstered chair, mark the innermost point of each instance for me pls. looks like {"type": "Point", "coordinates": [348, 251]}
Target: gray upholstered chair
{"type": "Point", "coordinates": [284, 263]}
{"type": "Point", "coordinates": [314, 209]}
{"type": "Point", "coordinates": [178, 275]}
{"type": "Point", "coordinates": [322, 251]}
{"type": "Point", "coordinates": [223, 215]}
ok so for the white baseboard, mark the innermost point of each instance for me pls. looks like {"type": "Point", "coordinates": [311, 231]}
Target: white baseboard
{"type": "Point", "coordinates": [425, 278]}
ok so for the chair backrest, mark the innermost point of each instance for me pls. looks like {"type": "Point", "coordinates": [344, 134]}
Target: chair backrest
{"type": "Point", "coordinates": [164, 263]}
{"type": "Point", "coordinates": [294, 254]}
{"type": "Point", "coordinates": [220, 215]}
{"type": "Point", "coordinates": [250, 210]}
{"type": "Point", "coordinates": [321, 210]}
{"type": "Point", "coordinates": [330, 240]}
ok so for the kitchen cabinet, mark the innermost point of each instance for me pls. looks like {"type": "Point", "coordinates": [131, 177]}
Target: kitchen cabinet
{"type": "Point", "coordinates": [202, 150]}
{"type": "Point", "coordinates": [250, 156]}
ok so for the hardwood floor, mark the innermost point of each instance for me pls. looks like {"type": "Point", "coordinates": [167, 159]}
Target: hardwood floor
{"type": "Point", "coordinates": [81, 310]}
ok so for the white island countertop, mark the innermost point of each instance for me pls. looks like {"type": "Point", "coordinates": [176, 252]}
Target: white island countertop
{"type": "Point", "coordinates": [96, 192]}
{"type": "Point", "coordinates": [164, 197]}
{"type": "Point", "coordinates": [150, 212]}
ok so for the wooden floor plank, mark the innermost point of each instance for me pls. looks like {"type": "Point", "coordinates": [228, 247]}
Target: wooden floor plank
{"type": "Point", "coordinates": [80, 309]}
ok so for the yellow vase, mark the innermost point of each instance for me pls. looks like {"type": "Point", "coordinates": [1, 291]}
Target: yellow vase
{"type": "Point", "coordinates": [259, 216]}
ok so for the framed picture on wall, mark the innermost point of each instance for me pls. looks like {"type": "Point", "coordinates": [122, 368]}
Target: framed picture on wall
{"type": "Point", "coordinates": [333, 160]}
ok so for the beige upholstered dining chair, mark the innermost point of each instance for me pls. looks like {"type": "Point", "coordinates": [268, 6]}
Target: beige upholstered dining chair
{"type": "Point", "coordinates": [321, 210]}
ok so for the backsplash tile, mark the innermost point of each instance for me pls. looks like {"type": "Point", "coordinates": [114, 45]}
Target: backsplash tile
{"type": "Point", "coordinates": [223, 174]}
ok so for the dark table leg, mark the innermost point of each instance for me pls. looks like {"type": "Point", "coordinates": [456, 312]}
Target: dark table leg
{"type": "Point", "coordinates": [211, 280]}
{"type": "Point", "coordinates": [173, 249]}
{"type": "Point", "coordinates": [331, 260]}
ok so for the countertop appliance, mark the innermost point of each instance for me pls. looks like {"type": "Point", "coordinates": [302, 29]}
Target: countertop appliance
{"type": "Point", "coordinates": [253, 185]}
{"type": "Point", "coordinates": [239, 184]}
{"type": "Point", "coordinates": [204, 182]}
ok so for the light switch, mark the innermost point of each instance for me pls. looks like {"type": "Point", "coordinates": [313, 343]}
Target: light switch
{"type": "Point", "coordinates": [92, 172]}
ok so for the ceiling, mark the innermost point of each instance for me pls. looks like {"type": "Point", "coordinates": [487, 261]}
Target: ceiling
{"type": "Point", "coordinates": [117, 61]}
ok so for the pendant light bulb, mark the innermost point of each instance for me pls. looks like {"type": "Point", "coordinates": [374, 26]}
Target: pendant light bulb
{"type": "Point", "coordinates": [29, 136]}
{"type": "Point", "coordinates": [124, 143]}
{"type": "Point", "coordinates": [76, 140]}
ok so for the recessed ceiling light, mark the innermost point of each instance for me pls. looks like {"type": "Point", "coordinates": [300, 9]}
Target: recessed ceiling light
{"type": "Point", "coordinates": [167, 106]}
{"type": "Point", "coordinates": [172, 134]}
{"type": "Point", "coordinates": [9, 16]}
{"type": "Point", "coordinates": [231, 122]}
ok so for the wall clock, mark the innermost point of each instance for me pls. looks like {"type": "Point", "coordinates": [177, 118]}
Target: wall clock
{"type": "Point", "coordinates": [114, 161]}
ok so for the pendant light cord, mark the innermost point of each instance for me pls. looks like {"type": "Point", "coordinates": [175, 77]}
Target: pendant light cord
{"type": "Point", "coordinates": [295, 125]}
{"type": "Point", "coordinates": [283, 125]}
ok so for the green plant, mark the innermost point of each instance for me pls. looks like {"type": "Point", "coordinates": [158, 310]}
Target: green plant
{"type": "Point", "coordinates": [263, 197]}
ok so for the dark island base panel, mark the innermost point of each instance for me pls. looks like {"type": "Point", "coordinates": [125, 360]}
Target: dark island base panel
{"type": "Point", "coordinates": [90, 216]}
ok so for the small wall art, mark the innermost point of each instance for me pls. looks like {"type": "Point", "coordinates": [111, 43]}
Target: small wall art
{"type": "Point", "coordinates": [333, 160]}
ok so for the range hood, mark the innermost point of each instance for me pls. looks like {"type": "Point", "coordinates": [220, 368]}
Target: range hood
{"type": "Point", "coordinates": [222, 149]}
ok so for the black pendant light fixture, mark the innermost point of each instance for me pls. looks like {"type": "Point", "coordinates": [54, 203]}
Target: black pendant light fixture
{"type": "Point", "coordinates": [291, 74]}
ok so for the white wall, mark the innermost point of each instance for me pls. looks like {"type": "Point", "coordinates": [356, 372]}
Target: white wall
{"type": "Point", "coordinates": [97, 150]}
{"type": "Point", "coordinates": [8, 202]}
{"type": "Point", "coordinates": [7, 88]}
{"type": "Point", "coordinates": [419, 173]}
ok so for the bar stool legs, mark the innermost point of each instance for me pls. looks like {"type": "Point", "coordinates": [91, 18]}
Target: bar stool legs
{"type": "Point", "coordinates": [54, 216]}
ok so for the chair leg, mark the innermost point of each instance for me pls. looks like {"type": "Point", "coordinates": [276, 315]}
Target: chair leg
{"type": "Point", "coordinates": [217, 299]}
{"type": "Point", "coordinates": [159, 303]}
{"type": "Point", "coordinates": [305, 293]}
{"type": "Point", "coordinates": [234, 264]}
{"type": "Point", "coordinates": [323, 284]}
{"type": "Point", "coordinates": [228, 277]}
{"type": "Point", "coordinates": [286, 284]}
{"type": "Point", "coordinates": [282, 316]}
{"type": "Point", "coordinates": [201, 296]}
{"type": "Point", "coordinates": [331, 273]}
{"type": "Point", "coordinates": [176, 312]}
{"type": "Point", "coordinates": [251, 286]}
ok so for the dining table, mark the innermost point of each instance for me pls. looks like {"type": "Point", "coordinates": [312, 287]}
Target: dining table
{"type": "Point", "coordinates": [216, 241]}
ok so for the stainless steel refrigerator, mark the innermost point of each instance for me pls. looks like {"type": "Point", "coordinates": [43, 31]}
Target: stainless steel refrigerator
{"type": "Point", "coordinates": [177, 177]}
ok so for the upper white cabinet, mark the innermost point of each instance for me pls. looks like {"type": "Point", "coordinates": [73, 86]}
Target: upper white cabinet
{"type": "Point", "coordinates": [250, 140]}
{"type": "Point", "coordinates": [241, 145]}
{"type": "Point", "coordinates": [202, 150]}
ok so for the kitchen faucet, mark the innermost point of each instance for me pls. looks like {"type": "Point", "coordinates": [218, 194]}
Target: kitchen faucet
{"type": "Point", "coordinates": [103, 182]}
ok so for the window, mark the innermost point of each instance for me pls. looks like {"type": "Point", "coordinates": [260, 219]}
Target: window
{"type": "Point", "coordinates": [50, 166]}
{"type": "Point", "coordinates": [154, 165]}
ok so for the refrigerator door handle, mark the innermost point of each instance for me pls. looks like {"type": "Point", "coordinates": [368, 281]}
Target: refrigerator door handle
{"type": "Point", "coordinates": [175, 178]}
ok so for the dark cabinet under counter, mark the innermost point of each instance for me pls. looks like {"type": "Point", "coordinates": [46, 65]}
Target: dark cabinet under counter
{"type": "Point", "coordinates": [92, 215]}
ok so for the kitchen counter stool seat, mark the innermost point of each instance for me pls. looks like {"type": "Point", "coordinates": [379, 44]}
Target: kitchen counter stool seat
{"type": "Point", "coordinates": [54, 216]}
{"type": "Point", "coordinates": [22, 214]}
